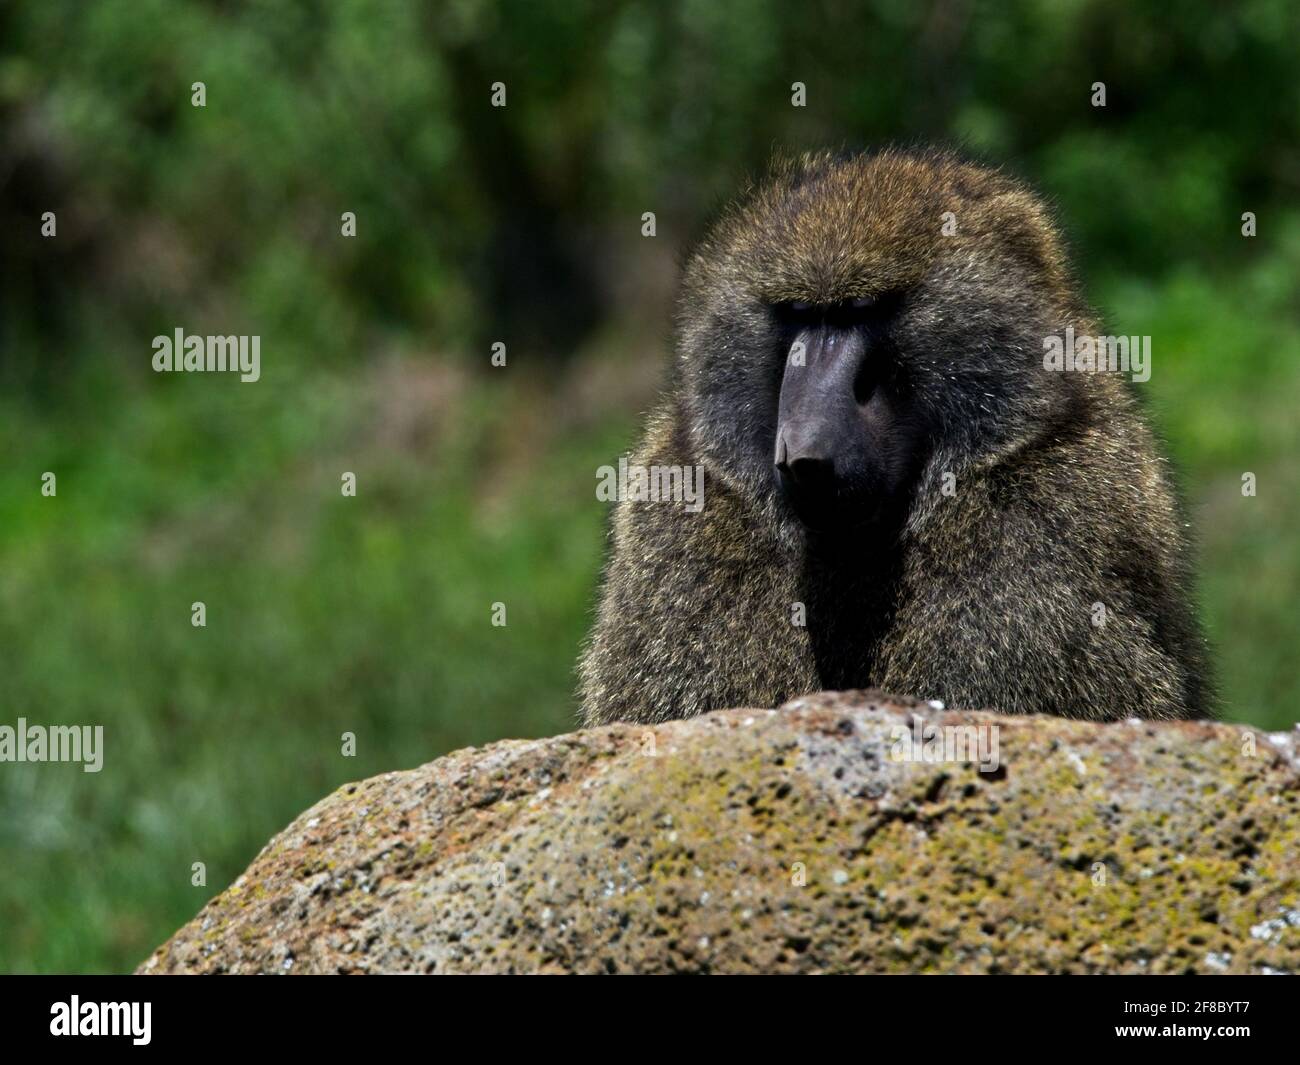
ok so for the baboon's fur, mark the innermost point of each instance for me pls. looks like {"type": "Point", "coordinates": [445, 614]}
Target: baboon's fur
{"type": "Point", "coordinates": [985, 598]}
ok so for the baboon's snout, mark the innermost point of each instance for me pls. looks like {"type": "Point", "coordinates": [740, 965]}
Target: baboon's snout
{"type": "Point", "coordinates": [820, 441]}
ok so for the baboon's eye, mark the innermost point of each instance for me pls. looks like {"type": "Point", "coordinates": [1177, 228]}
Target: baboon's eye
{"type": "Point", "coordinates": [870, 312]}
{"type": "Point", "coordinates": [867, 311]}
{"type": "Point", "coordinates": [798, 314]}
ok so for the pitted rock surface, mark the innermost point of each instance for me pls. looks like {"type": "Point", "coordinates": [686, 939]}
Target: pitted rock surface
{"type": "Point", "coordinates": [791, 840]}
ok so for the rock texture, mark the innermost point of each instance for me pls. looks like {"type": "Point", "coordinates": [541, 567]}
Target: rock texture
{"type": "Point", "coordinates": [788, 841]}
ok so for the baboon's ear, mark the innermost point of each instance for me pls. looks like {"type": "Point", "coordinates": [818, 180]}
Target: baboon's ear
{"type": "Point", "coordinates": [1021, 223]}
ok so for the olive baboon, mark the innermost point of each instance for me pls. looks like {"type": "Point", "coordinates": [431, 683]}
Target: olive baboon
{"type": "Point", "coordinates": [899, 492]}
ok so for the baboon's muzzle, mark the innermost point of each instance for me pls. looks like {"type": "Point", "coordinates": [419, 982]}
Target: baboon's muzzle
{"type": "Point", "coordinates": [822, 453]}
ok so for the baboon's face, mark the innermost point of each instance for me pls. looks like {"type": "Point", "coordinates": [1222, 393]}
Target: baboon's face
{"type": "Point", "coordinates": [851, 318]}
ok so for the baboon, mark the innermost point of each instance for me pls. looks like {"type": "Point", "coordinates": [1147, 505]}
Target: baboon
{"type": "Point", "coordinates": [899, 492]}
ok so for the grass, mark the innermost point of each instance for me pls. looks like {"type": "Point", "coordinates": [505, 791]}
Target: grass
{"type": "Point", "coordinates": [325, 615]}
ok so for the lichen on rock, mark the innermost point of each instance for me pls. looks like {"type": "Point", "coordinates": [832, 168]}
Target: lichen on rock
{"type": "Point", "coordinates": [792, 840]}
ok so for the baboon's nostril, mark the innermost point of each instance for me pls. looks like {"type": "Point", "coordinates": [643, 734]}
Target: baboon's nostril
{"type": "Point", "coordinates": [811, 473]}
{"type": "Point", "coordinates": [805, 455]}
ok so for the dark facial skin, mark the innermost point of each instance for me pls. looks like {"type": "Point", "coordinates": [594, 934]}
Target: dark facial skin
{"type": "Point", "coordinates": [848, 439]}
{"type": "Point", "coordinates": [916, 345]}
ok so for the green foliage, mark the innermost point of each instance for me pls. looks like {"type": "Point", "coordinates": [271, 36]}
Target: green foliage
{"type": "Point", "coordinates": [371, 615]}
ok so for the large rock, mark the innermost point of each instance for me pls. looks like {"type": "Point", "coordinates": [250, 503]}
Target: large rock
{"type": "Point", "coordinates": [788, 841]}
